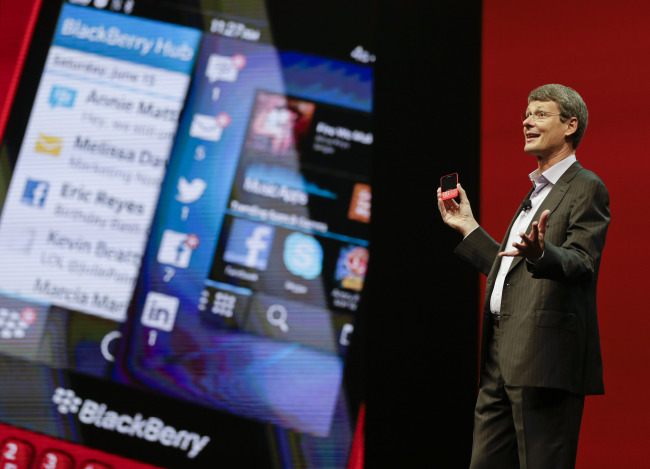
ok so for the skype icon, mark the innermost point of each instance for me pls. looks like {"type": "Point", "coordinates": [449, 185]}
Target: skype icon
{"type": "Point", "coordinates": [303, 255]}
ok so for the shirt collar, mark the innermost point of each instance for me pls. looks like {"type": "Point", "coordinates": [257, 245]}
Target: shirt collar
{"type": "Point", "coordinates": [552, 174]}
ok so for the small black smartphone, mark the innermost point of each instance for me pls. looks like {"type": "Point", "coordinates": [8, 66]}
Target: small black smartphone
{"type": "Point", "coordinates": [448, 186]}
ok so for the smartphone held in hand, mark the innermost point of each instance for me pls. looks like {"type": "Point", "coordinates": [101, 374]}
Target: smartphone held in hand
{"type": "Point", "coordinates": [448, 186]}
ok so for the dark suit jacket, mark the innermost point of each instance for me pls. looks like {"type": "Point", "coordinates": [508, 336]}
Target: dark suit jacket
{"type": "Point", "coordinates": [549, 326]}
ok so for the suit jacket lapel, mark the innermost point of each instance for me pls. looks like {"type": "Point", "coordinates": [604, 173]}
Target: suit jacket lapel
{"type": "Point", "coordinates": [497, 262]}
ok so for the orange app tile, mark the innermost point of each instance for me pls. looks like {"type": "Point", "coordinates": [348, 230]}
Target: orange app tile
{"type": "Point", "coordinates": [361, 203]}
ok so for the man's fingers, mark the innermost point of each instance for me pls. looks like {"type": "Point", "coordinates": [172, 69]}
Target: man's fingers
{"type": "Point", "coordinates": [543, 220]}
{"type": "Point", "coordinates": [525, 240]}
{"type": "Point", "coordinates": [441, 205]}
{"type": "Point", "coordinates": [447, 206]}
{"type": "Point", "coordinates": [509, 253]}
{"type": "Point", "coordinates": [534, 233]}
{"type": "Point", "coordinates": [544, 216]}
{"type": "Point", "coordinates": [463, 195]}
{"type": "Point", "coordinates": [450, 204]}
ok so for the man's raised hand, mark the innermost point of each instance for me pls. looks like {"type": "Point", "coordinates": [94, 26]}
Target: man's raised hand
{"type": "Point", "coordinates": [531, 246]}
{"type": "Point", "coordinates": [457, 215]}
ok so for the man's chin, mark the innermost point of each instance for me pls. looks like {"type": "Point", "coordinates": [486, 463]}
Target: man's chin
{"type": "Point", "coordinates": [529, 150]}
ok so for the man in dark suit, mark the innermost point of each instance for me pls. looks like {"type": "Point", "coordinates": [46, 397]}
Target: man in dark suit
{"type": "Point", "coordinates": [540, 349]}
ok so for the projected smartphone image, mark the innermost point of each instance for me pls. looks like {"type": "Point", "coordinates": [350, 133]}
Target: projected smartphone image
{"type": "Point", "coordinates": [87, 177]}
{"type": "Point", "coordinates": [265, 289]}
{"type": "Point", "coordinates": [184, 241]}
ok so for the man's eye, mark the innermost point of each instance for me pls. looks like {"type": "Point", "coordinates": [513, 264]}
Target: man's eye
{"type": "Point", "coordinates": [541, 114]}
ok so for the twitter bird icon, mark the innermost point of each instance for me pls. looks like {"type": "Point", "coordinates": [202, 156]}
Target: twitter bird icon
{"type": "Point", "coordinates": [189, 192]}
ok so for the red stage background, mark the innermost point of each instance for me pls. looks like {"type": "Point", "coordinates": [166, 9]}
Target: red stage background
{"type": "Point", "coordinates": [14, 21]}
{"type": "Point", "coordinates": [599, 48]}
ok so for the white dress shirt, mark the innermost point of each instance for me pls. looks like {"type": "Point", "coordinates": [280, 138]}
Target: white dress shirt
{"type": "Point", "coordinates": [542, 184]}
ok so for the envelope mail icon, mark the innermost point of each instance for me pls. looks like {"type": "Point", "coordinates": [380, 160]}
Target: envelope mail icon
{"type": "Point", "coordinates": [49, 144]}
{"type": "Point", "coordinates": [206, 128]}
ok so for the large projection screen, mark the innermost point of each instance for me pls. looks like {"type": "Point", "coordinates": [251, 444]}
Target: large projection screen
{"type": "Point", "coordinates": [185, 204]}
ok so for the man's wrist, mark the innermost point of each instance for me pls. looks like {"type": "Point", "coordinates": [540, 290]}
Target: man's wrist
{"type": "Point", "coordinates": [535, 261]}
{"type": "Point", "coordinates": [466, 230]}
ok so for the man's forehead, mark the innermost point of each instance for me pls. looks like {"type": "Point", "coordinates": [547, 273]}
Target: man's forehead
{"type": "Point", "coordinates": [543, 105]}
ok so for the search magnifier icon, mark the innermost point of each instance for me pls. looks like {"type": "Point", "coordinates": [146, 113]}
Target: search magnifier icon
{"type": "Point", "coordinates": [277, 316]}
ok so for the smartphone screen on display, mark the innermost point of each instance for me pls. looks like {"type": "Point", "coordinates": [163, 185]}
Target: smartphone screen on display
{"type": "Point", "coordinates": [185, 238]}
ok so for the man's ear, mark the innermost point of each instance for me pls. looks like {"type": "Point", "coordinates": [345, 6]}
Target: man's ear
{"type": "Point", "coordinates": [572, 126]}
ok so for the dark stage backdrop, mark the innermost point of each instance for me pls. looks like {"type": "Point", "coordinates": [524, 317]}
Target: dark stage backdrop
{"type": "Point", "coordinates": [423, 318]}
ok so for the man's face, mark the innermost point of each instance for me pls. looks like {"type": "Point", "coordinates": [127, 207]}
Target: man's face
{"type": "Point", "coordinates": [544, 136]}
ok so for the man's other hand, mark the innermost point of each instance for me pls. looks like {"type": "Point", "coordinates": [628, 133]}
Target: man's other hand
{"type": "Point", "coordinates": [531, 246]}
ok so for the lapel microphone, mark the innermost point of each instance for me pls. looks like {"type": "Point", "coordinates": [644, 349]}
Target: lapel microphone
{"type": "Point", "coordinates": [526, 204]}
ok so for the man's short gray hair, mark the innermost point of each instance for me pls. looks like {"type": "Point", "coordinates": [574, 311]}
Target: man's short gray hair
{"type": "Point", "coordinates": [570, 104]}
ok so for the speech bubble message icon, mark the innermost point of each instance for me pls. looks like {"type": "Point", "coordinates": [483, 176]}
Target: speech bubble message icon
{"type": "Point", "coordinates": [224, 68]}
{"type": "Point", "coordinates": [60, 96]}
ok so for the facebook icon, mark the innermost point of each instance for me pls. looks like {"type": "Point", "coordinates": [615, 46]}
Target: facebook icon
{"type": "Point", "coordinates": [176, 248]}
{"type": "Point", "coordinates": [249, 244]}
{"type": "Point", "coordinates": [35, 192]}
